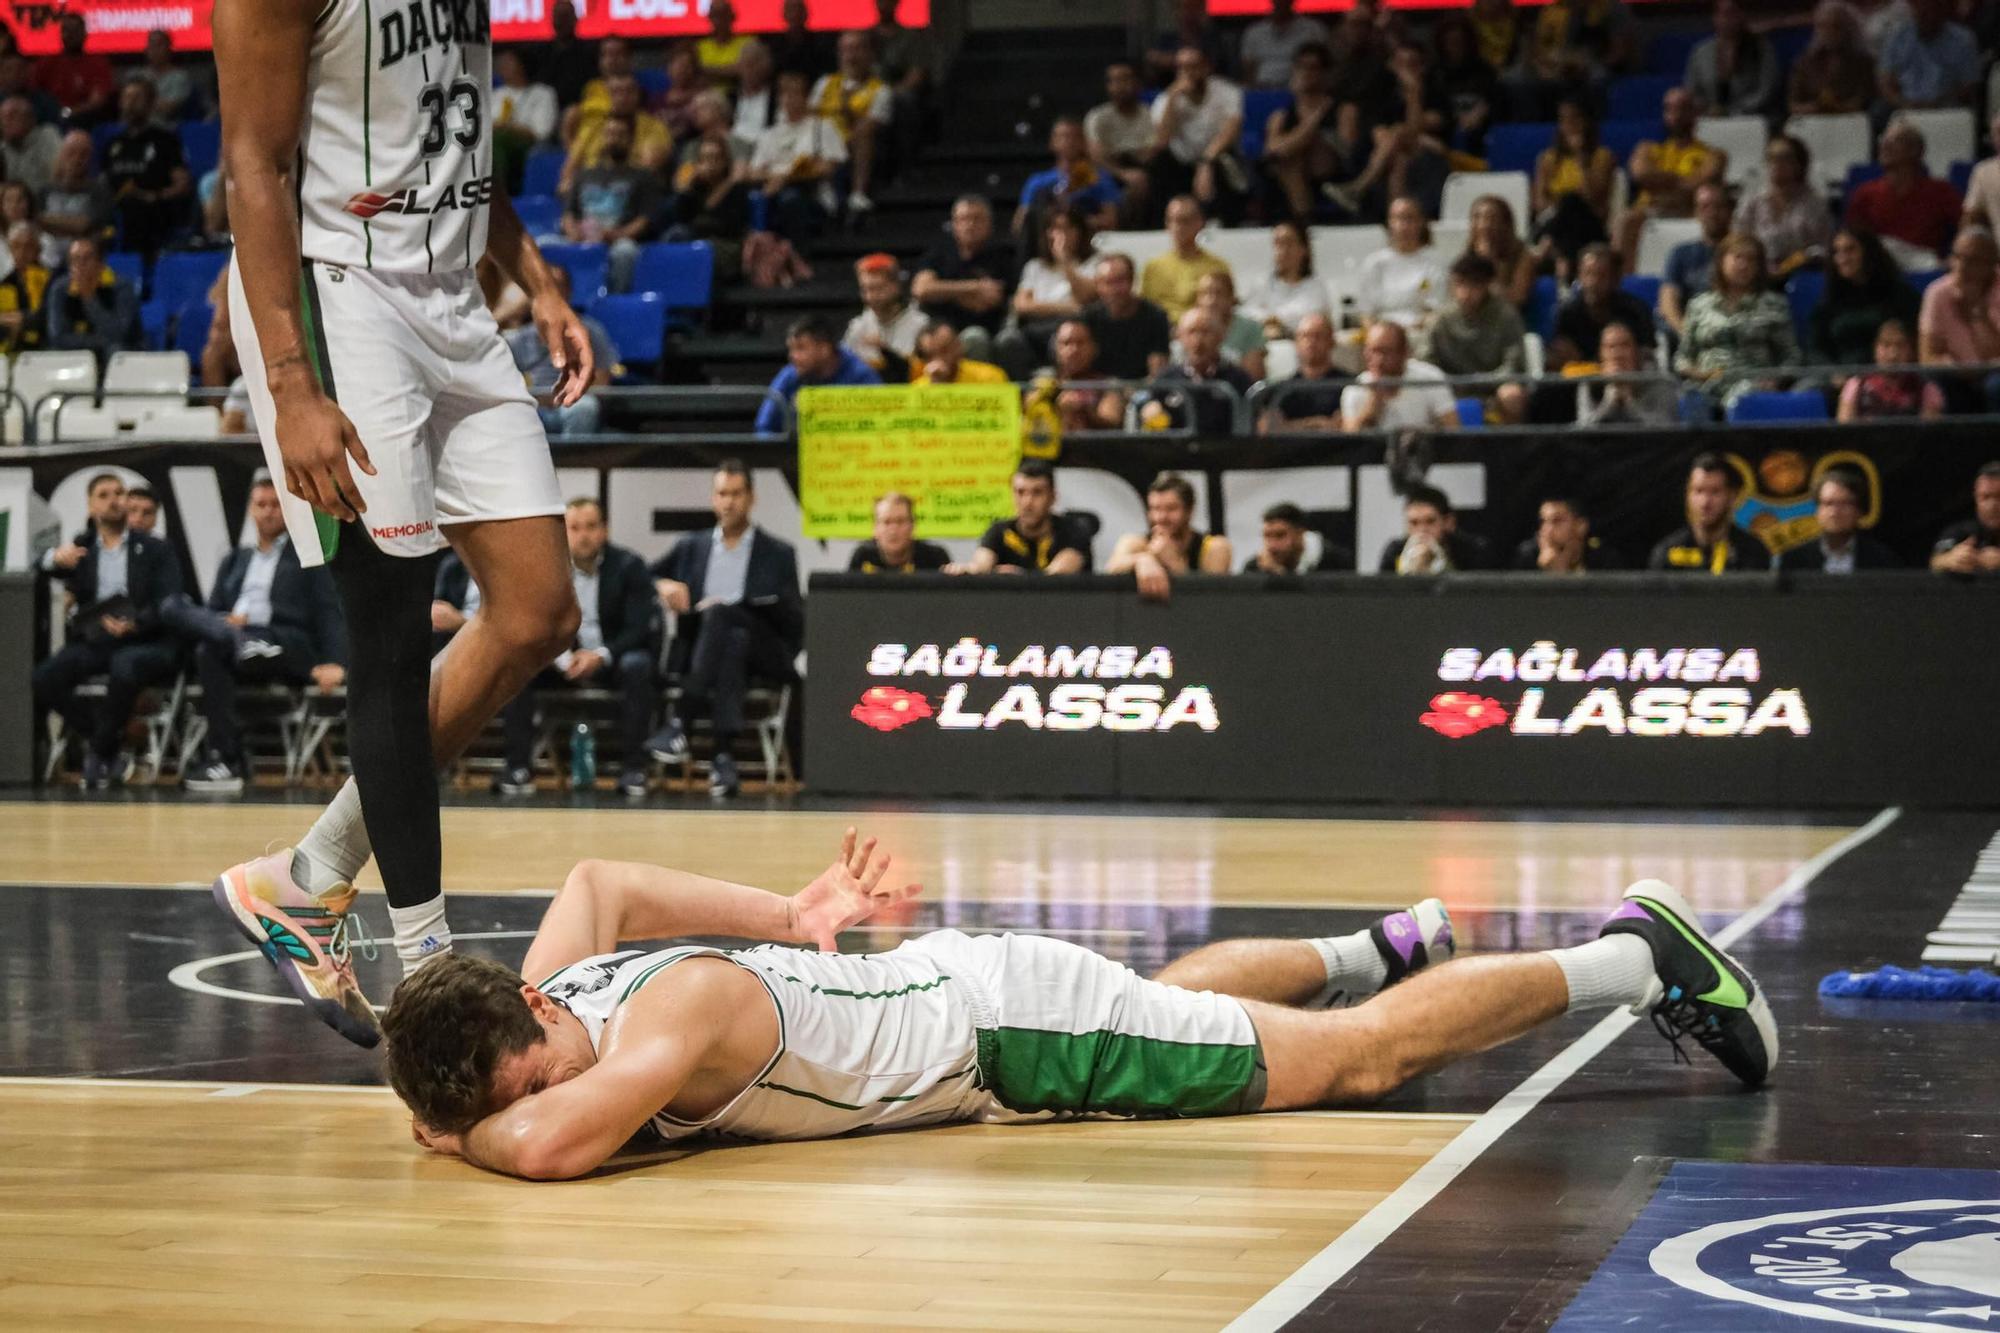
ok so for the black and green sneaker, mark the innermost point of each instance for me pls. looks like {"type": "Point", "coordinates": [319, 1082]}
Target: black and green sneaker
{"type": "Point", "coordinates": [1702, 992]}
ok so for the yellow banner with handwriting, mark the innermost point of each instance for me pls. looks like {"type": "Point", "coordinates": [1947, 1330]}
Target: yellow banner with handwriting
{"type": "Point", "coordinates": [950, 447]}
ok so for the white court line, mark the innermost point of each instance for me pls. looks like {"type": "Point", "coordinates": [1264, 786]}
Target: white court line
{"type": "Point", "coordinates": [213, 1086]}
{"type": "Point", "coordinates": [1284, 1301]}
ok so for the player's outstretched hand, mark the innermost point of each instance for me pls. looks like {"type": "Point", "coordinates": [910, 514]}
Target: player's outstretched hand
{"type": "Point", "coordinates": [846, 893]}
{"type": "Point", "coordinates": [315, 442]}
{"type": "Point", "coordinates": [569, 349]}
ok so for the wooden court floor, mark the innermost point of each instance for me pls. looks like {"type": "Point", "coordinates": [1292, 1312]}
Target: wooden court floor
{"type": "Point", "coordinates": [175, 1202]}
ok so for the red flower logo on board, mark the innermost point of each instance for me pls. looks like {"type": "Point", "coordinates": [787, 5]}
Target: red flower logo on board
{"type": "Point", "coordinates": [885, 708]}
{"type": "Point", "coordinates": [1459, 715]}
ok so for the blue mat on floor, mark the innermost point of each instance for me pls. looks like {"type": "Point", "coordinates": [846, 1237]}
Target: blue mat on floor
{"type": "Point", "coordinates": [1902, 983]}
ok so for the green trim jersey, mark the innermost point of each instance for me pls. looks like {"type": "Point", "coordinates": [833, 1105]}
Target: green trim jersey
{"type": "Point", "coordinates": [396, 151]}
{"type": "Point", "coordinates": [951, 1027]}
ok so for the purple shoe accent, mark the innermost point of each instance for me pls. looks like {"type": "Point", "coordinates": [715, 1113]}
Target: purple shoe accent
{"type": "Point", "coordinates": [1400, 930]}
{"type": "Point", "coordinates": [1629, 910]}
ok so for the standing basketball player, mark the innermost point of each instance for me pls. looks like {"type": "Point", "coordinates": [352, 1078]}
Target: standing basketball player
{"type": "Point", "coordinates": [357, 135]}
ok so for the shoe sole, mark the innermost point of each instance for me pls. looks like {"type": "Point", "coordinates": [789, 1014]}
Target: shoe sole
{"type": "Point", "coordinates": [205, 788]}
{"type": "Point", "coordinates": [1665, 897]}
{"type": "Point", "coordinates": [246, 920]}
{"type": "Point", "coordinates": [667, 756]}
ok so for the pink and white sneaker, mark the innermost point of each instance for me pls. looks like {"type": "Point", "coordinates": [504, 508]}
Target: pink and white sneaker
{"type": "Point", "coordinates": [305, 937]}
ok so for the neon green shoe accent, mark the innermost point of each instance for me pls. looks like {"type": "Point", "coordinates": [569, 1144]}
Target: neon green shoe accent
{"type": "Point", "coordinates": [1729, 992]}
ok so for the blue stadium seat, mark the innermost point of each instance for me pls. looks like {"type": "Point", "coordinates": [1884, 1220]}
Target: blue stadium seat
{"type": "Point", "coordinates": [1804, 292]}
{"type": "Point", "coordinates": [1921, 278]}
{"type": "Point", "coordinates": [586, 265]}
{"type": "Point", "coordinates": [1790, 43]}
{"type": "Point", "coordinates": [1668, 52]}
{"type": "Point", "coordinates": [1638, 96]}
{"type": "Point", "coordinates": [653, 81]}
{"type": "Point", "coordinates": [541, 214]}
{"type": "Point", "coordinates": [191, 330]}
{"type": "Point", "coordinates": [182, 276]}
{"type": "Point", "coordinates": [1258, 104]}
{"type": "Point", "coordinates": [131, 267]}
{"type": "Point", "coordinates": [683, 276]}
{"type": "Point", "coordinates": [637, 323]}
{"type": "Point", "coordinates": [1960, 176]}
{"type": "Point", "coordinates": [542, 171]}
{"type": "Point", "coordinates": [1622, 136]}
{"type": "Point", "coordinates": [101, 137]}
{"type": "Point", "coordinates": [1644, 286]}
{"type": "Point", "coordinates": [1860, 174]}
{"type": "Point", "coordinates": [201, 143]}
{"type": "Point", "coordinates": [1515, 147]}
{"type": "Point", "coordinates": [1472, 413]}
{"type": "Point", "coordinates": [1796, 405]}
{"type": "Point", "coordinates": [1540, 315]}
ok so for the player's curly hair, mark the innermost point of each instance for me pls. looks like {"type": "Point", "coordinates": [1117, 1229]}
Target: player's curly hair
{"type": "Point", "coordinates": [447, 1027]}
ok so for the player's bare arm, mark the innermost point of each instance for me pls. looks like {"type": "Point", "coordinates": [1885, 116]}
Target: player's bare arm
{"type": "Point", "coordinates": [261, 59]}
{"type": "Point", "coordinates": [510, 246]}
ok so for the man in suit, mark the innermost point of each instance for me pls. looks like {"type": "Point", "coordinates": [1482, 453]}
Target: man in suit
{"type": "Point", "coordinates": [287, 627]}
{"type": "Point", "coordinates": [736, 589]}
{"type": "Point", "coordinates": [120, 580]}
{"type": "Point", "coordinates": [617, 647]}
{"type": "Point", "coordinates": [1842, 547]}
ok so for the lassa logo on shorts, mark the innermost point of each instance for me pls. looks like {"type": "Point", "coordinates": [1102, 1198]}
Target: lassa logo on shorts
{"type": "Point", "coordinates": [401, 530]}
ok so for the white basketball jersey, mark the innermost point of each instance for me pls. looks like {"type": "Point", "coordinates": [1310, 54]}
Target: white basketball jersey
{"type": "Point", "coordinates": [865, 1040]}
{"type": "Point", "coordinates": [396, 159]}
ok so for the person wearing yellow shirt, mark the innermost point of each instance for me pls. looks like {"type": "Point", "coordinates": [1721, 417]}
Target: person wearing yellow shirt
{"type": "Point", "coordinates": [1667, 174]}
{"type": "Point", "coordinates": [721, 51]}
{"type": "Point", "coordinates": [652, 144]}
{"type": "Point", "coordinates": [1170, 280]}
{"type": "Point", "coordinates": [614, 61]}
{"type": "Point", "coordinates": [941, 360]}
{"type": "Point", "coordinates": [860, 105]}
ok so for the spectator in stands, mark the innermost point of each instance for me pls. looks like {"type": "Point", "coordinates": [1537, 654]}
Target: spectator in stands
{"type": "Point", "coordinates": [1878, 394]}
{"type": "Point", "coordinates": [1471, 86]}
{"type": "Point", "coordinates": [287, 628]}
{"type": "Point", "coordinates": [944, 360]}
{"type": "Point", "coordinates": [794, 163]}
{"type": "Point", "coordinates": [1842, 548]}
{"type": "Point", "coordinates": [964, 279]}
{"type": "Point", "coordinates": [147, 173]}
{"type": "Point", "coordinates": [1431, 542]}
{"type": "Point", "coordinates": [1929, 61]}
{"type": "Point", "coordinates": [1667, 173]}
{"type": "Point", "coordinates": [613, 202]}
{"type": "Point", "coordinates": [614, 62]}
{"type": "Point", "coordinates": [1690, 265]}
{"type": "Point", "coordinates": [1291, 293]}
{"type": "Point", "coordinates": [1171, 546]}
{"type": "Point", "coordinates": [799, 50]}
{"type": "Point", "coordinates": [813, 356]}
{"type": "Point", "coordinates": [1404, 282]}
{"type": "Point", "coordinates": [525, 115]}
{"type": "Point", "coordinates": [1364, 84]}
{"type": "Point", "coordinates": [120, 581]}
{"type": "Point", "coordinates": [1834, 75]}
{"type": "Point", "coordinates": [720, 51]}
{"type": "Point", "coordinates": [83, 84]}
{"type": "Point", "coordinates": [1171, 279]}
{"type": "Point", "coordinates": [1631, 403]}
{"type": "Point", "coordinates": [1973, 547]}
{"type": "Point", "coordinates": [1421, 402]}
{"type": "Point", "coordinates": [90, 307]}
{"type": "Point", "coordinates": [1788, 215]}
{"type": "Point", "coordinates": [1284, 548]}
{"type": "Point", "coordinates": [1710, 543]}
{"type": "Point", "coordinates": [1192, 28]}
{"type": "Point", "coordinates": [1906, 203]}
{"type": "Point", "coordinates": [1577, 47]}
{"type": "Point", "coordinates": [1864, 289]}
{"type": "Point", "coordinates": [1133, 335]}
{"type": "Point", "coordinates": [78, 202]}
{"type": "Point", "coordinates": [651, 142]}
{"type": "Point", "coordinates": [686, 86]}
{"type": "Point", "coordinates": [1037, 540]}
{"type": "Point", "coordinates": [756, 103]}
{"type": "Point", "coordinates": [1563, 543]}
{"type": "Point", "coordinates": [1269, 44]}
{"type": "Point", "coordinates": [1597, 302]}
{"type": "Point", "coordinates": [617, 647]}
{"type": "Point", "coordinates": [567, 64]}
{"type": "Point", "coordinates": [1494, 235]}
{"type": "Point", "coordinates": [1242, 336]}
{"type": "Point", "coordinates": [1054, 285]}
{"type": "Point", "coordinates": [1305, 144]}
{"type": "Point", "coordinates": [1197, 133]}
{"type": "Point", "coordinates": [23, 291]}
{"type": "Point", "coordinates": [1736, 72]}
{"type": "Point", "coordinates": [1738, 324]}
{"type": "Point", "coordinates": [1497, 28]}
{"type": "Point", "coordinates": [713, 207]}
{"type": "Point", "coordinates": [908, 59]}
{"type": "Point", "coordinates": [1408, 156]}
{"type": "Point", "coordinates": [176, 94]}
{"type": "Point", "coordinates": [531, 358]}
{"type": "Point", "coordinates": [1480, 334]}
{"type": "Point", "coordinates": [1081, 408]}
{"type": "Point", "coordinates": [894, 549]}
{"type": "Point", "coordinates": [1982, 191]}
{"type": "Point", "coordinates": [1119, 133]}
{"type": "Point", "coordinates": [861, 106]}
{"type": "Point", "coordinates": [1960, 321]}
{"type": "Point", "coordinates": [27, 149]}
{"type": "Point", "coordinates": [885, 333]}
{"type": "Point", "coordinates": [1310, 398]}
{"type": "Point", "coordinates": [1075, 184]}
{"type": "Point", "coordinates": [1571, 191]}
{"type": "Point", "coordinates": [1213, 385]}
{"type": "Point", "coordinates": [736, 591]}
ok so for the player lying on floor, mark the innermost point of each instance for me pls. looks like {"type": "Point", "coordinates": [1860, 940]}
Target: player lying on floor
{"type": "Point", "coordinates": [548, 1080]}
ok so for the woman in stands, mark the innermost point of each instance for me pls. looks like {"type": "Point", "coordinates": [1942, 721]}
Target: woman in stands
{"type": "Point", "coordinates": [1291, 293]}
{"type": "Point", "coordinates": [1834, 75]}
{"type": "Point", "coordinates": [1572, 190]}
{"type": "Point", "coordinates": [1737, 325]}
{"type": "Point", "coordinates": [1787, 215]}
{"type": "Point", "coordinates": [1495, 236]}
{"type": "Point", "coordinates": [1054, 286]}
{"type": "Point", "coordinates": [1404, 282]}
{"type": "Point", "coordinates": [1904, 393]}
{"type": "Point", "coordinates": [1864, 290]}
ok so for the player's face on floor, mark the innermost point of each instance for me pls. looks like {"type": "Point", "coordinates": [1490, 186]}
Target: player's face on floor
{"type": "Point", "coordinates": [563, 1053]}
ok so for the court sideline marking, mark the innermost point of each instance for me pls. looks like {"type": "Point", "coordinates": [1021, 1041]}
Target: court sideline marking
{"type": "Point", "coordinates": [1290, 1297]}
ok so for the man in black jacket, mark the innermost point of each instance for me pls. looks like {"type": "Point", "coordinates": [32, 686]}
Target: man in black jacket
{"type": "Point", "coordinates": [736, 589]}
{"type": "Point", "coordinates": [1431, 542]}
{"type": "Point", "coordinates": [1711, 543]}
{"type": "Point", "coordinates": [288, 628]}
{"type": "Point", "coordinates": [617, 647]}
{"type": "Point", "coordinates": [120, 580]}
{"type": "Point", "coordinates": [1842, 547]}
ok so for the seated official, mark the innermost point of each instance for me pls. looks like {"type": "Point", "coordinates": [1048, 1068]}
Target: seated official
{"type": "Point", "coordinates": [894, 548]}
{"type": "Point", "coordinates": [1284, 549]}
{"type": "Point", "coordinates": [1711, 543]}
{"type": "Point", "coordinates": [120, 580]}
{"type": "Point", "coordinates": [1171, 545]}
{"type": "Point", "coordinates": [1431, 542]}
{"type": "Point", "coordinates": [1842, 547]}
{"type": "Point", "coordinates": [736, 589]}
{"type": "Point", "coordinates": [288, 628]}
{"type": "Point", "coordinates": [1973, 547]}
{"type": "Point", "coordinates": [454, 600]}
{"type": "Point", "coordinates": [1037, 540]}
{"type": "Point", "coordinates": [616, 648]}
{"type": "Point", "coordinates": [1563, 542]}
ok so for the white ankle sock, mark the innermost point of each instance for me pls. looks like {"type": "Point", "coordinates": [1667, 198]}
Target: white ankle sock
{"type": "Point", "coordinates": [1354, 966]}
{"type": "Point", "coordinates": [1605, 973]}
{"type": "Point", "coordinates": [421, 933]}
{"type": "Point", "coordinates": [336, 846]}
